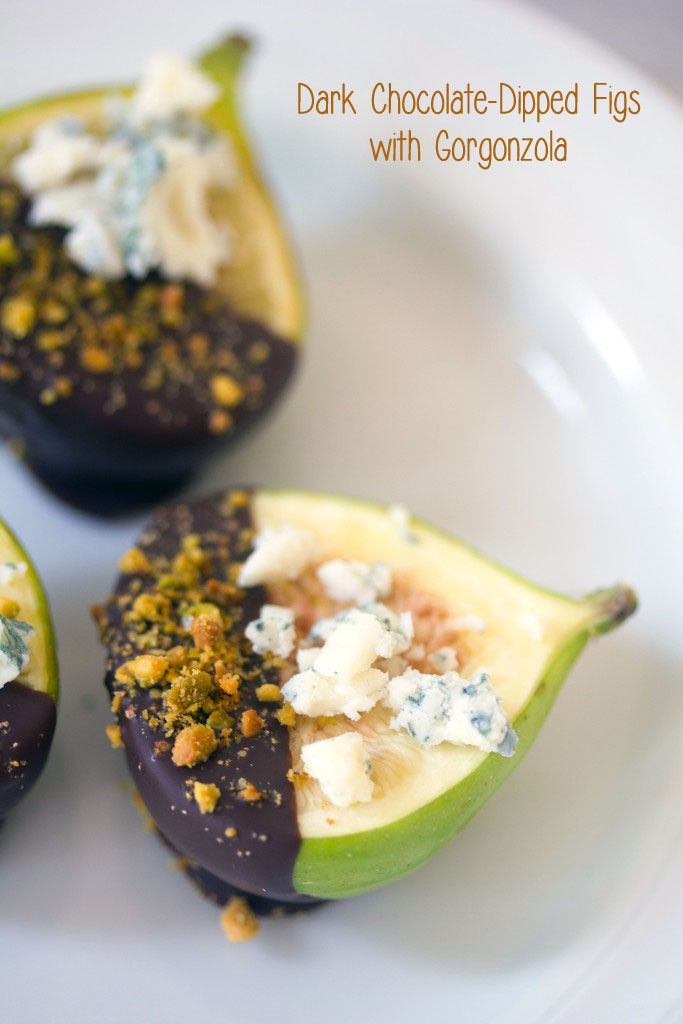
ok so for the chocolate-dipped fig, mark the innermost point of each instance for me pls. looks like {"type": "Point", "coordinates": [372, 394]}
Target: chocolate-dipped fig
{"type": "Point", "coordinates": [150, 310]}
{"type": "Point", "coordinates": [28, 674]}
{"type": "Point", "coordinates": [315, 694]}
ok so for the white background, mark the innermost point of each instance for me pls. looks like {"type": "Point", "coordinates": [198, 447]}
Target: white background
{"type": "Point", "coordinates": [649, 32]}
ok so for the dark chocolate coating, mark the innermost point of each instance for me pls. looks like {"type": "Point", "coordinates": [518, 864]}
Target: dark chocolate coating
{"type": "Point", "coordinates": [107, 498]}
{"type": "Point", "coordinates": [27, 725]}
{"type": "Point", "coordinates": [136, 429]}
{"type": "Point", "coordinates": [79, 437]}
{"type": "Point", "coordinates": [260, 858]}
{"type": "Point", "coordinates": [219, 892]}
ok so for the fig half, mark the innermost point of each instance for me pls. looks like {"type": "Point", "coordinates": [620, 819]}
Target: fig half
{"type": "Point", "coordinates": [117, 390]}
{"type": "Point", "coordinates": [201, 659]}
{"type": "Point", "coordinates": [28, 670]}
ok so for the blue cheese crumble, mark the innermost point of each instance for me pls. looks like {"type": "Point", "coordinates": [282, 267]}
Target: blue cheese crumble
{"type": "Point", "coordinates": [312, 694]}
{"type": "Point", "coordinates": [172, 86]}
{"type": "Point", "coordinates": [449, 709]}
{"type": "Point", "coordinates": [322, 629]}
{"type": "Point", "coordinates": [14, 652]}
{"type": "Point", "coordinates": [280, 553]}
{"type": "Point", "coordinates": [355, 582]}
{"type": "Point", "coordinates": [351, 646]}
{"type": "Point", "coordinates": [342, 768]}
{"type": "Point", "coordinates": [400, 517]}
{"type": "Point", "coordinates": [398, 626]}
{"type": "Point", "coordinates": [339, 678]}
{"type": "Point", "coordinates": [305, 657]}
{"type": "Point", "coordinates": [398, 630]}
{"type": "Point", "coordinates": [10, 572]}
{"type": "Point", "coordinates": [135, 198]}
{"type": "Point", "coordinates": [273, 632]}
{"type": "Point", "coordinates": [361, 635]}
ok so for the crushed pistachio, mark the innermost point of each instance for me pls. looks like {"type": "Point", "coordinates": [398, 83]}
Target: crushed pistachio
{"type": "Point", "coordinates": [96, 360]}
{"type": "Point", "coordinates": [229, 683]}
{"type": "Point", "coordinates": [269, 693]}
{"type": "Point", "coordinates": [50, 341]}
{"type": "Point", "coordinates": [238, 499]}
{"type": "Point", "coordinates": [151, 607]}
{"type": "Point", "coordinates": [286, 715]}
{"type": "Point", "coordinates": [188, 694]}
{"type": "Point", "coordinates": [225, 390]}
{"type": "Point", "coordinates": [18, 315]}
{"type": "Point", "coordinates": [297, 778]}
{"type": "Point", "coordinates": [134, 563]}
{"type": "Point", "coordinates": [146, 669]}
{"type": "Point", "coordinates": [251, 723]}
{"type": "Point", "coordinates": [9, 253]}
{"type": "Point", "coordinates": [238, 920]}
{"type": "Point", "coordinates": [8, 371]}
{"type": "Point", "coordinates": [206, 795]}
{"type": "Point", "coordinates": [205, 631]}
{"type": "Point", "coordinates": [114, 735]}
{"type": "Point", "coordinates": [258, 352]}
{"type": "Point", "coordinates": [220, 422]}
{"type": "Point", "coordinates": [193, 744]}
{"type": "Point", "coordinates": [249, 793]}
{"type": "Point", "coordinates": [220, 721]}
{"type": "Point", "coordinates": [176, 640]}
{"type": "Point", "coordinates": [54, 312]}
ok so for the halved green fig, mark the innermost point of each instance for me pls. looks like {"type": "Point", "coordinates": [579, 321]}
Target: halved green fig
{"type": "Point", "coordinates": [202, 631]}
{"type": "Point", "coordinates": [117, 390]}
{"type": "Point", "coordinates": [29, 685]}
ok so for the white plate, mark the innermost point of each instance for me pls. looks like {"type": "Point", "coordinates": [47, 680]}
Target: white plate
{"type": "Point", "coordinates": [502, 351]}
